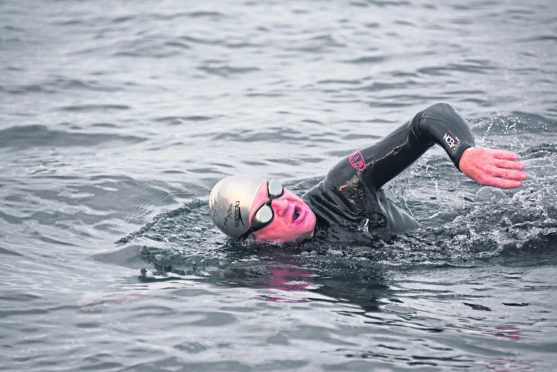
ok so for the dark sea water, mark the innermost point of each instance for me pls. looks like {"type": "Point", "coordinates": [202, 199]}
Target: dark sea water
{"type": "Point", "coordinates": [117, 118]}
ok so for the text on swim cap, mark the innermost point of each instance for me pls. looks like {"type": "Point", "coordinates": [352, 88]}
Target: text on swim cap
{"type": "Point", "coordinates": [238, 214]}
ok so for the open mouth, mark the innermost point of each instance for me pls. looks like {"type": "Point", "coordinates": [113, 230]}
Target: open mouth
{"type": "Point", "coordinates": [296, 214]}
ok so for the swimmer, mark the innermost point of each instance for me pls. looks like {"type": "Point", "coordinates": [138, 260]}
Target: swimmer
{"type": "Point", "coordinates": [349, 204]}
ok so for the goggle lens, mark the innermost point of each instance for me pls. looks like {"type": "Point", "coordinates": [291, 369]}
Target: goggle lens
{"type": "Point", "coordinates": [275, 189]}
{"type": "Point", "coordinates": [265, 213]}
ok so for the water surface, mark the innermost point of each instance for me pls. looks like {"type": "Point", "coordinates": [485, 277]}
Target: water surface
{"type": "Point", "coordinates": [116, 119]}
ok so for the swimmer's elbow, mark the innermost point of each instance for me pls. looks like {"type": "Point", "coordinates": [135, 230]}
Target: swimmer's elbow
{"type": "Point", "coordinates": [435, 119]}
{"type": "Point", "coordinates": [438, 110]}
{"type": "Point", "coordinates": [429, 121]}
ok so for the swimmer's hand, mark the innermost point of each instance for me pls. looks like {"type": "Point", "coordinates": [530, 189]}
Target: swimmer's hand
{"type": "Point", "coordinates": [491, 167]}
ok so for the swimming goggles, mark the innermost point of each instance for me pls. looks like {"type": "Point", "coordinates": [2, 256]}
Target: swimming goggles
{"type": "Point", "coordinates": [265, 213]}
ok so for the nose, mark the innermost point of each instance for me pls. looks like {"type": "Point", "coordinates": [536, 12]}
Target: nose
{"type": "Point", "coordinates": [280, 206]}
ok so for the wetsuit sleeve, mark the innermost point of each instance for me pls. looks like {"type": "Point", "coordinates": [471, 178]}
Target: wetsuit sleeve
{"type": "Point", "coordinates": [438, 124]}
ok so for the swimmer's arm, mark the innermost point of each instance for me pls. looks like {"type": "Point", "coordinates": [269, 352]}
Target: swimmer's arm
{"type": "Point", "coordinates": [441, 124]}
{"type": "Point", "coordinates": [438, 124]}
{"type": "Point", "coordinates": [491, 167]}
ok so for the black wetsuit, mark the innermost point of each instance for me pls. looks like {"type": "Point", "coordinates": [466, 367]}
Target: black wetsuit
{"type": "Point", "coordinates": [349, 203]}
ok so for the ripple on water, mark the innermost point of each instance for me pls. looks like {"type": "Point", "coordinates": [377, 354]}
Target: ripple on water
{"type": "Point", "coordinates": [29, 136]}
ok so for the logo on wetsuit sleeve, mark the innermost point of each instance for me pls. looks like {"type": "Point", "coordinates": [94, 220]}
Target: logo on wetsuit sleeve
{"type": "Point", "coordinates": [357, 160]}
{"type": "Point", "coordinates": [451, 140]}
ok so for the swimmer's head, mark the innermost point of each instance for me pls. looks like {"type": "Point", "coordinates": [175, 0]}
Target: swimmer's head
{"type": "Point", "coordinates": [231, 201]}
{"type": "Point", "coordinates": [265, 211]}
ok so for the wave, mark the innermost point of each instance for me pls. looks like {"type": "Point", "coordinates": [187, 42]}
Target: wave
{"type": "Point", "coordinates": [516, 124]}
{"type": "Point", "coordinates": [28, 136]}
{"type": "Point", "coordinates": [94, 107]}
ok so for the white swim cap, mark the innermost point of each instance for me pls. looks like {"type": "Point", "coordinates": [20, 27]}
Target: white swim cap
{"type": "Point", "coordinates": [231, 201]}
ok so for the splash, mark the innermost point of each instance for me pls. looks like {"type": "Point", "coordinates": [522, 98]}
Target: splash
{"type": "Point", "coordinates": [462, 224]}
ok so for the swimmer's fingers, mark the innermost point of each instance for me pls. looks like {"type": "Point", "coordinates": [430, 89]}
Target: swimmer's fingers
{"type": "Point", "coordinates": [510, 174]}
{"type": "Point", "coordinates": [506, 164]}
{"type": "Point", "coordinates": [503, 178]}
{"type": "Point", "coordinates": [501, 154]}
{"type": "Point", "coordinates": [498, 177]}
{"type": "Point", "coordinates": [500, 182]}
{"type": "Point", "coordinates": [491, 167]}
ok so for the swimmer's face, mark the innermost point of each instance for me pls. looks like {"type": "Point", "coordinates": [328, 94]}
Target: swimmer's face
{"type": "Point", "coordinates": [292, 221]}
